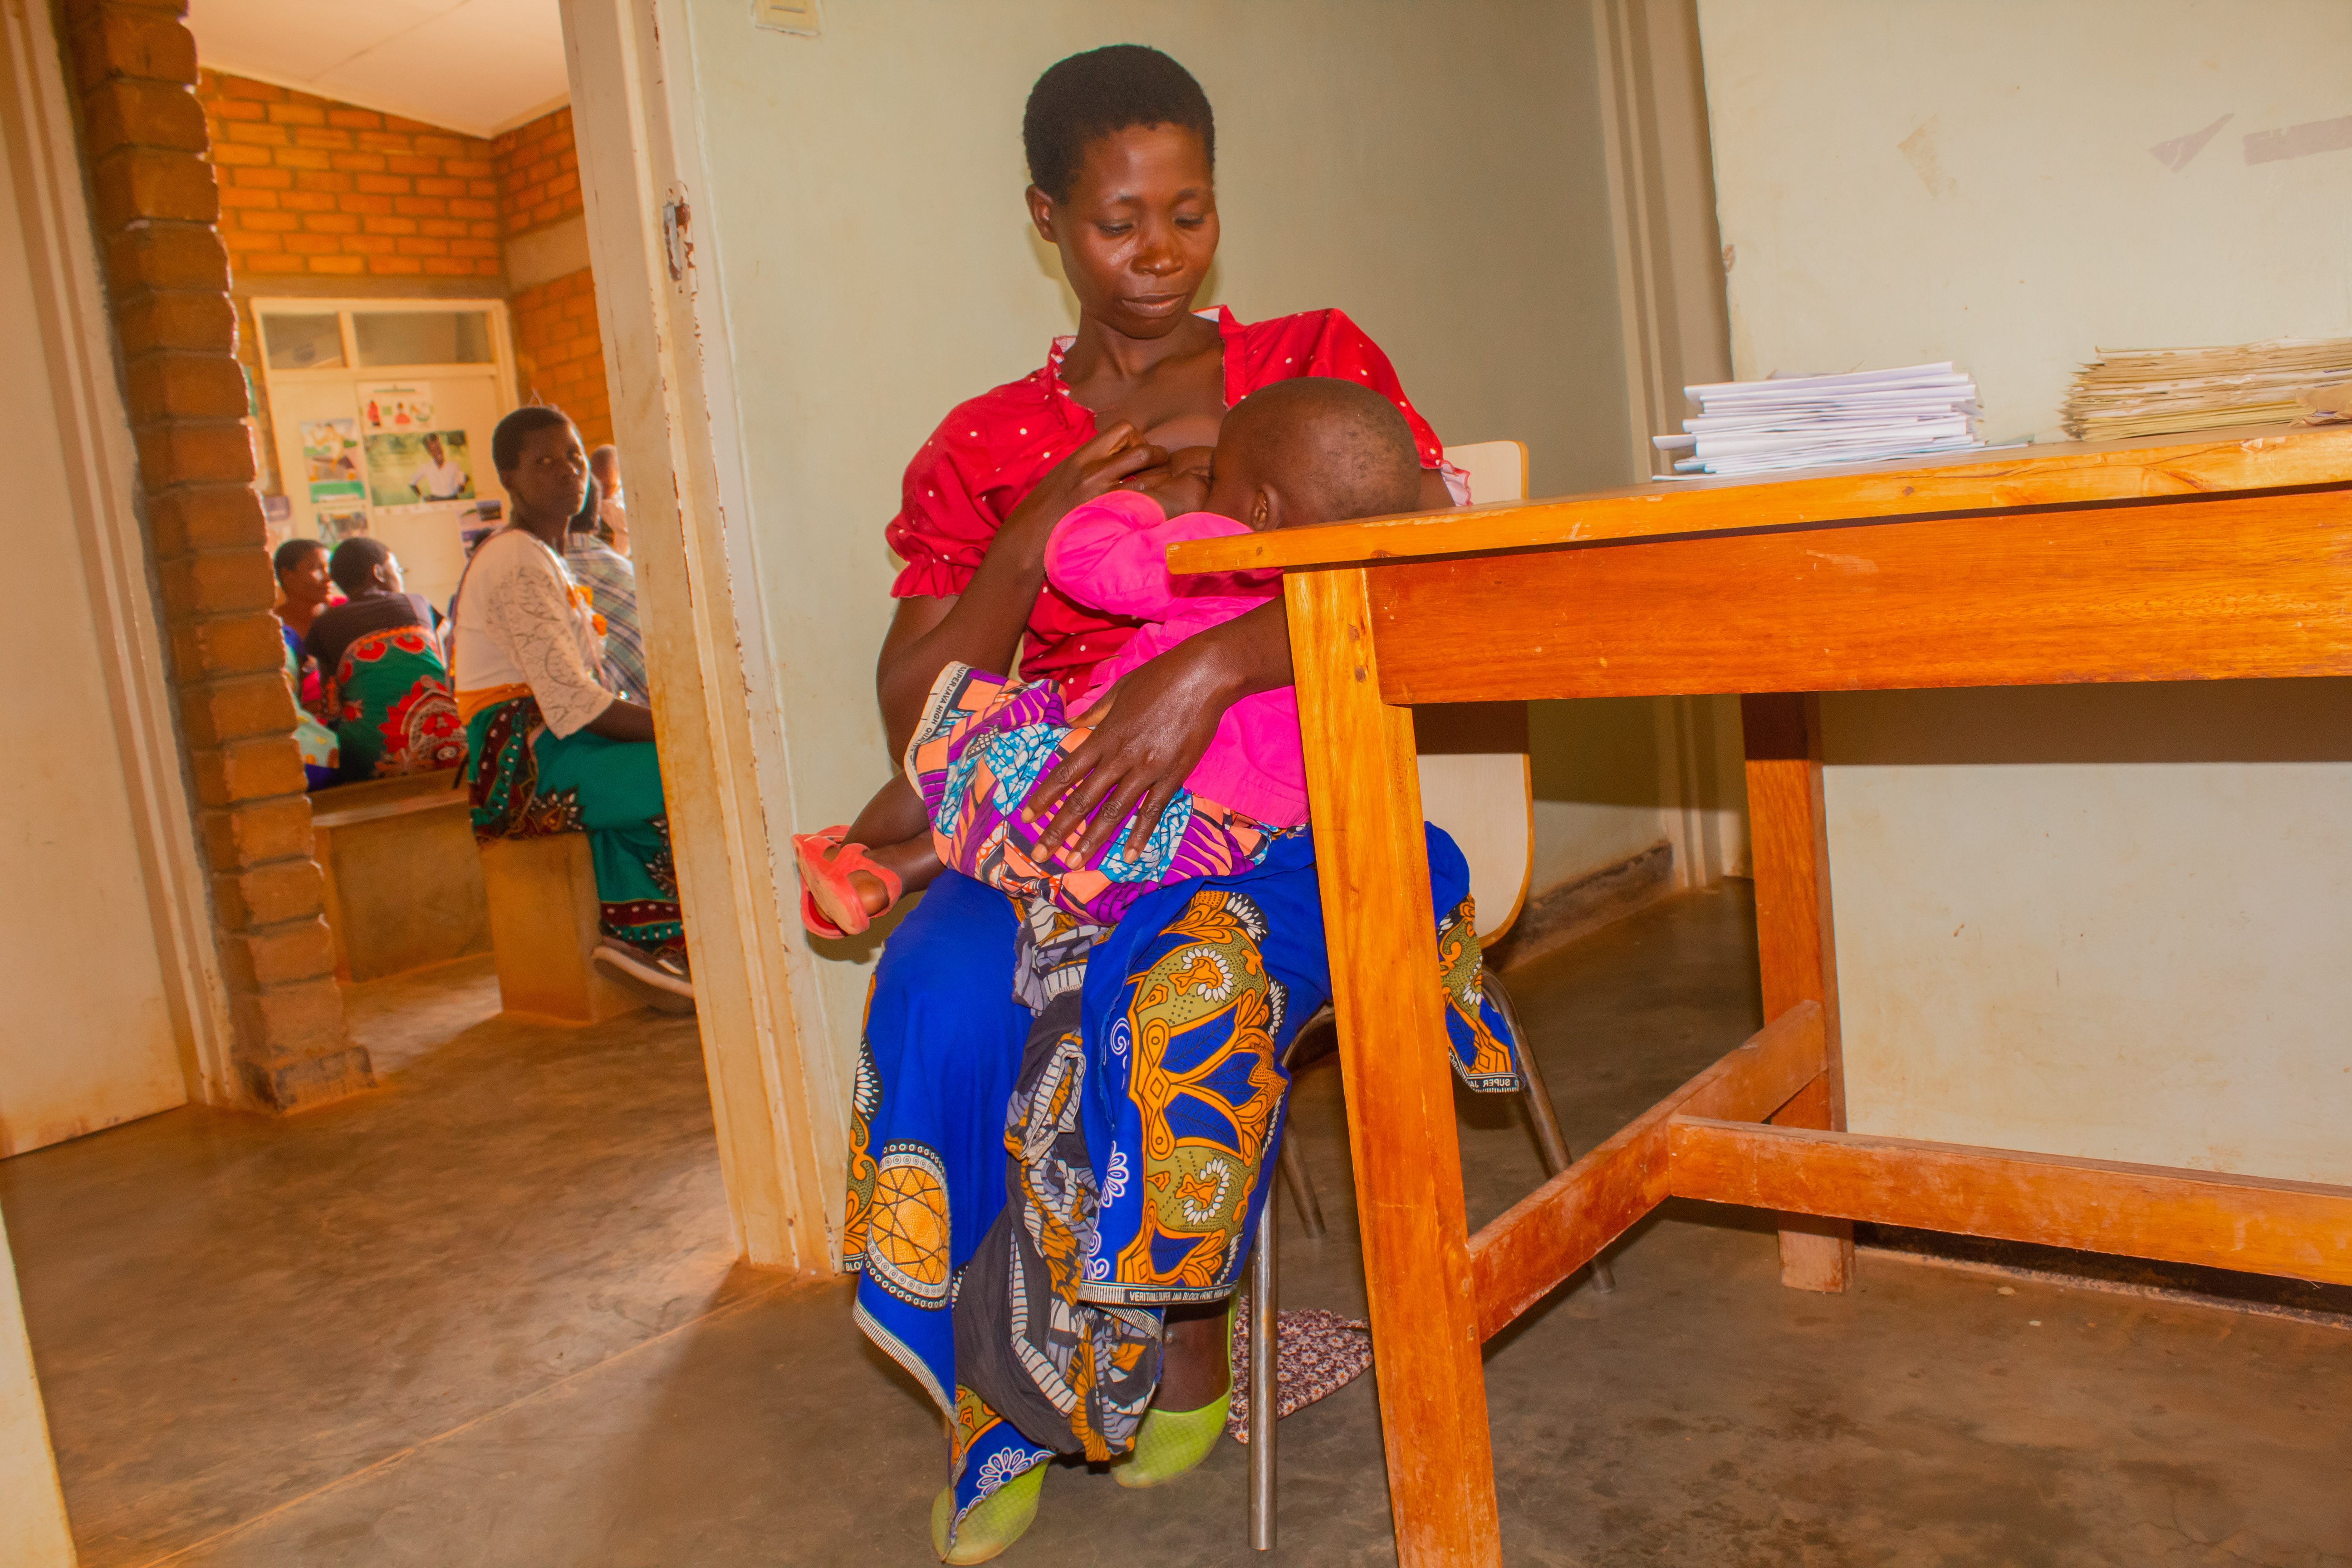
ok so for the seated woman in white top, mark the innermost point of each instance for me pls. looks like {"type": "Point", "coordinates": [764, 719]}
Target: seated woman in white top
{"type": "Point", "coordinates": [551, 748]}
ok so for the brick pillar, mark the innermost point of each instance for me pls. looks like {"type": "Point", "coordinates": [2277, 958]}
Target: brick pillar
{"type": "Point", "coordinates": [156, 206]}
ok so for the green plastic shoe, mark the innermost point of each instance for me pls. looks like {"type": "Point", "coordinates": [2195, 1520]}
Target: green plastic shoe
{"type": "Point", "coordinates": [1171, 1442]}
{"type": "Point", "coordinates": [995, 1524]}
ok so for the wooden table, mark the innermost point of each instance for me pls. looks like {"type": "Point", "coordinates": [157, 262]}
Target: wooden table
{"type": "Point", "coordinates": [2226, 556]}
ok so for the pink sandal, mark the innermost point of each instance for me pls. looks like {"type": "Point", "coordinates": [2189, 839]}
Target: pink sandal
{"type": "Point", "coordinates": [829, 904]}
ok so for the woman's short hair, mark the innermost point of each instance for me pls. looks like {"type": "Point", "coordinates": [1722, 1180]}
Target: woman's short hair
{"type": "Point", "coordinates": [292, 553]}
{"type": "Point", "coordinates": [1101, 91]}
{"type": "Point", "coordinates": [353, 564]}
{"type": "Point", "coordinates": [506, 441]}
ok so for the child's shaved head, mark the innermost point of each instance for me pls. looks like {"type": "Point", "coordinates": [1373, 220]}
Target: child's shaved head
{"type": "Point", "coordinates": [1333, 449]}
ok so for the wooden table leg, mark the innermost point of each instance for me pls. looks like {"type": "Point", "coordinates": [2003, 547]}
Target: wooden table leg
{"type": "Point", "coordinates": [1373, 867]}
{"type": "Point", "coordinates": [1794, 944]}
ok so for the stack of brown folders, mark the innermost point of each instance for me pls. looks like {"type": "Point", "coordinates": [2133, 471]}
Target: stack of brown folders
{"type": "Point", "coordinates": [2155, 392]}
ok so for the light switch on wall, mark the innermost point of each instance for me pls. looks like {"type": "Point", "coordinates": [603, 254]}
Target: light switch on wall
{"type": "Point", "coordinates": [787, 15]}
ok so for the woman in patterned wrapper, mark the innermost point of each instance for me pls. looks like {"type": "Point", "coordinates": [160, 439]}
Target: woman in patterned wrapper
{"type": "Point", "coordinates": [1071, 1296]}
{"type": "Point", "coordinates": [550, 747]}
{"type": "Point", "coordinates": [387, 677]}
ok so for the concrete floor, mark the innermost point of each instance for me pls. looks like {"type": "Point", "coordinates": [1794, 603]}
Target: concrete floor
{"type": "Point", "coordinates": [489, 1315]}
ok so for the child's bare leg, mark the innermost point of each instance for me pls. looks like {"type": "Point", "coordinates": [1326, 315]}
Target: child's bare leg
{"type": "Point", "coordinates": [893, 833]}
{"type": "Point", "coordinates": [895, 815]}
{"type": "Point", "coordinates": [914, 862]}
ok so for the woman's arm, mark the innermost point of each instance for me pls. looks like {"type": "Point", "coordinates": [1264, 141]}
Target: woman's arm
{"type": "Point", "coordinates": [1163, 715]}
{"type": "Point", "coordinates": [981, 626]}
{"type": "Point", "coordinates": [623, 720]}
{"type": "Point", "coordinates": [912, 623]}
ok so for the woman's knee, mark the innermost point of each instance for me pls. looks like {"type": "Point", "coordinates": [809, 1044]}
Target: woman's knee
{"type": "Point", "coordinates": [942, 1006]}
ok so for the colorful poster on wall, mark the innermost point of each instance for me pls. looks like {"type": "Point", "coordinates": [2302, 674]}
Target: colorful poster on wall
{"type": "Point", "coordinates": [419, 467]}
{"type": "Point", "coordinates": [396, 407]}
{"type": "Point", "coordinates": [334, 527]}
{"type": "Point", "coordinates": [331, 454]}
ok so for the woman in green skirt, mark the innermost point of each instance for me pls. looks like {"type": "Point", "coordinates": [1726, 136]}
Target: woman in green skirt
{"type": "Point", "coordinates": [550, 749]}
{"type": "Point", "coordinates": [388, 693]}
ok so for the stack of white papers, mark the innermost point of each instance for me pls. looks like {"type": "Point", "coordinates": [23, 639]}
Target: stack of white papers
{"type": "Point", "coordinates": [2157, 392]}
{"type": "Point", "coordinates": [1803, 421]}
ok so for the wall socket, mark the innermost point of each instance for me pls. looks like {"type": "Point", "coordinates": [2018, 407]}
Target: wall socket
{"type": "Point", "coordinates": [787, 16]}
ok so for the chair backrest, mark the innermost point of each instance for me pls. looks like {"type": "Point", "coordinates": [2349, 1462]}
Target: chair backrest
{"type": "Point", "coordinates": [1475, 780]}
{"type": "Point", "coordinates": [1498, 469]}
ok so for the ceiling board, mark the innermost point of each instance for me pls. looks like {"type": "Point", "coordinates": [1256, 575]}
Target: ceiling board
{"type": "Point", "coordinates": [476, 65]}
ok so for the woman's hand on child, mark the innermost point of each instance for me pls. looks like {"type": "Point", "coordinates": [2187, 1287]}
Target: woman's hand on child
{"type": "Point", "coordinates": [1093, 470]}
{"type": "Point", "coordinates": [1149, 732]}
{"type": "Point", "coordinates": [1180, 485]}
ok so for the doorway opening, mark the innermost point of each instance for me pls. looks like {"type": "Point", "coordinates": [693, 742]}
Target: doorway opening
{"type": "Point", "coordinates": [404, 285]}
{"type": "Point", "coordinates": [380, 414]}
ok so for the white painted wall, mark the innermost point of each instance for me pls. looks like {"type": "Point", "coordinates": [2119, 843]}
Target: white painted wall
{"type": "Point", "coordinates": [1432, 169]}
{"type": "Point", "coordinates": [2106, 922]}
{"type": "Point", "coordinates": [91, 1037]}
{"type": "Point", "coordinates": [1596, 786]}
{"type": "Point", "coordinates": [33, 1533]}
{"type": "Point", "coordinates": [1910, 181]}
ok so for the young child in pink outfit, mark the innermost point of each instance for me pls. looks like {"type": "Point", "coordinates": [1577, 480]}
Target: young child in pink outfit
{"type": "Point", "coordinates": [1298, 452]}
{"type": "Point", "coordinates": [1112, 554]}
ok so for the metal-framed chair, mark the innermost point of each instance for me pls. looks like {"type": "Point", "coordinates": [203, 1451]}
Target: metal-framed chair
{"type": "Point", "coordinates": [1475, 783]}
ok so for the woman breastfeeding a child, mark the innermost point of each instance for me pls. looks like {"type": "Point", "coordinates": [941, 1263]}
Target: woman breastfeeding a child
{"type": "Point", "coordinates": [1071, 1081]}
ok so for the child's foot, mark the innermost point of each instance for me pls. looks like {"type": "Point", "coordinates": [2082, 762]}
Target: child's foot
{"type": "Point", "coordinates": [841, 889]}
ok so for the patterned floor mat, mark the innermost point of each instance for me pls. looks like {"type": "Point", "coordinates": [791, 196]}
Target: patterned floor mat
{"type": "Point", "coordinates": [1316, 1354]}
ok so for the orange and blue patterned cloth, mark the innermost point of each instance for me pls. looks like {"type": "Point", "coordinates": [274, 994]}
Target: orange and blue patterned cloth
{"type": "Point", "coordinates": [985, 743]}
{"type": "Point", "coordinates": [1029, 1191]}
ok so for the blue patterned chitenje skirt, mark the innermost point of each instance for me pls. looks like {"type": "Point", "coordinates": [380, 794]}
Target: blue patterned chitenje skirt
{"type": "Point", "coordinates": [1029, 1190]}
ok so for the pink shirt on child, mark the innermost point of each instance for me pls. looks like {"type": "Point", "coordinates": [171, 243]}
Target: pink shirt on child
{"type": "Point", "coordinates": [1112, 554]}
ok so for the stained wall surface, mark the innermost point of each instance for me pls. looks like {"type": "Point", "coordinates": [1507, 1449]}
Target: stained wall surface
{"type": "Point", "coordinates": [2012, 185]}
{"type": "Point", "coordinates": [89, 1039]}
{"type": "Point", "coordinates": [1434, 171]}
{"type": "Point", "coordinates": [1596, 786]}
{"type": "Point", "coordinates": [2103, 923]}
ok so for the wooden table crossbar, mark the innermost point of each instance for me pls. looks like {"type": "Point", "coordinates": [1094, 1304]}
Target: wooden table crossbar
{"type": "Point", "coordinates": [2015, 568]}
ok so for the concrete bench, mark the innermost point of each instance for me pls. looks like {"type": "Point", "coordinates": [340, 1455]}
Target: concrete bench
{"type": "Point", "coordinates": [404, 886]}
{"type": "Point", "coordinates": [543, 927]}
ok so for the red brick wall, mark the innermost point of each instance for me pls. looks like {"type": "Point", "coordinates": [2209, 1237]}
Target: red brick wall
{"type": "Point", "coordinates": [155, 212]}
{"type": "Point", "coordinates": [312, 186]}
{"type": "Point", "coordinates": [538, 173]}
{"type": "Point", "coordinates": [559, 349]}
{"type": "Point", "coordinates": [317, 189]}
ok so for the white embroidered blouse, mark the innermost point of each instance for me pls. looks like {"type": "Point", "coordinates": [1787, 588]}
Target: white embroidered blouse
{"type": "Point", "coordinates": [523, 621]}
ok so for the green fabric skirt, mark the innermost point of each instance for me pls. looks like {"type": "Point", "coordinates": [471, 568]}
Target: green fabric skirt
{"type": "Point", "coordinates": [392, 708]}
{"type": "Point", "coordinates": [529, 782]}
